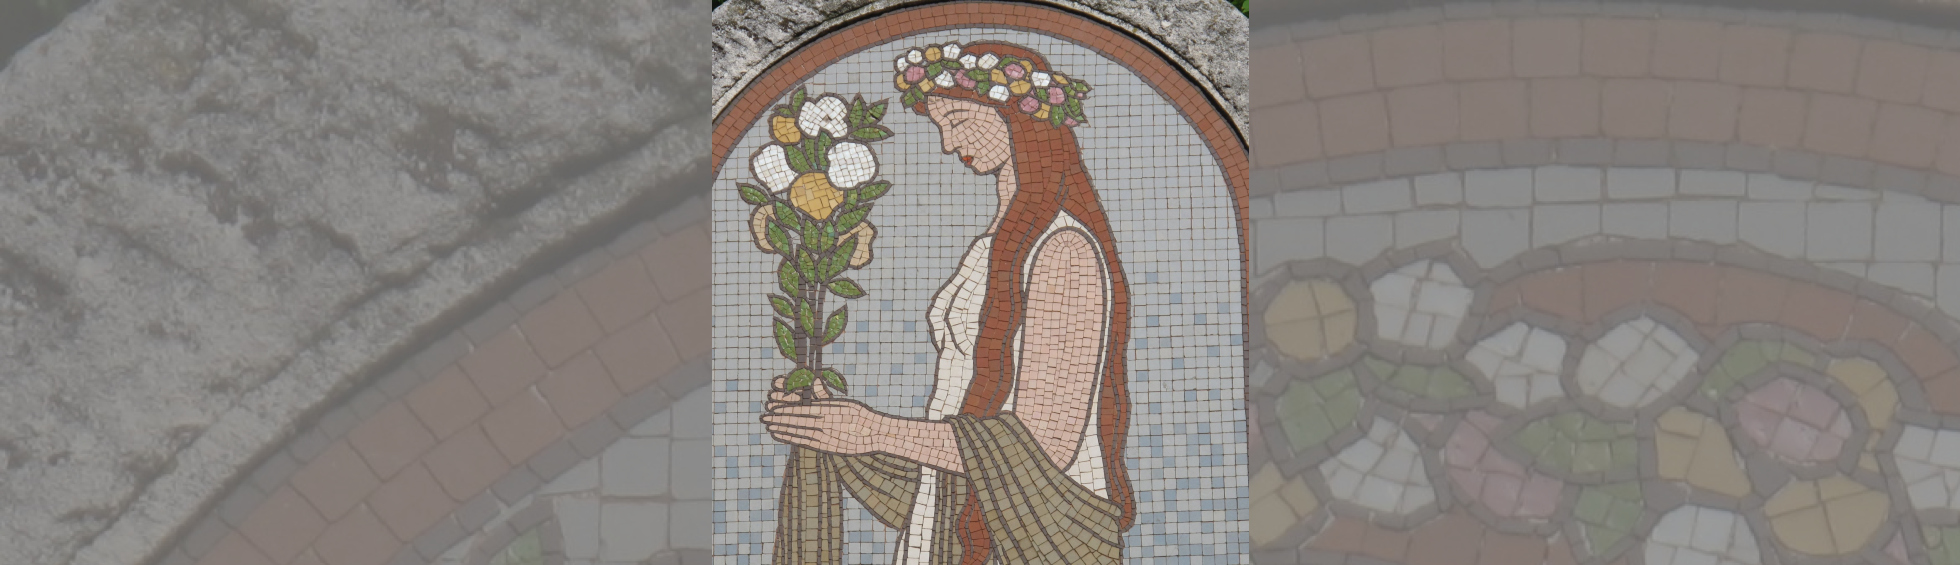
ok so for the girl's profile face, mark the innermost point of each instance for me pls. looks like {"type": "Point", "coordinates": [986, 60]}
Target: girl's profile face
{"type": "Point", "coordinates": [975, 132]}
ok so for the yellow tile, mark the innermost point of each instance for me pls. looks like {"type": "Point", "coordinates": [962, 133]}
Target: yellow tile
{"type": "Point", "coordinates": [1270, 520]}
{"type": "Point", "coordinates": [1694, 449]}
{"type": "Point", "coordinates": [1299, 497]}
{"type": "Point", "coordinates": [1875, 392]}
{"type": "Point", "coordinates": [1266, 481]}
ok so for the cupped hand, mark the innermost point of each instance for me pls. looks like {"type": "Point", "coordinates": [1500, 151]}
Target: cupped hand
{"type": "Point", "coordinates": [843, 427]}
{"type": "Point", "coordinates": [779, 397]}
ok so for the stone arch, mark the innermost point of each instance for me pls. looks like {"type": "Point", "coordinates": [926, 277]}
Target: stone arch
{"type": "Point", "coordinates": [1569, 152]}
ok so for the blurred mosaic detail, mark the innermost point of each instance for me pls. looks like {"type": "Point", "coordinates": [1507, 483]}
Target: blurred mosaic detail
{"type": "Point", "coordinates": [1605, 283]}
{"type": "Point", "coordinates": [1040, 357]}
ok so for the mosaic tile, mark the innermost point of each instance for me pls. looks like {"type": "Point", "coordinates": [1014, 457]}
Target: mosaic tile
{"type": "Point", "coordinates": [1382, 472]}
{"type": "Point", "coordinates": [1523, 363]}
{"type": "Point", "coordinates": [1695, 449]}
{"type": "Point", "coordinates": [1794, 421]}
{"type": "Point", "coordinates": [1634, 364]}
{"type": "Point", "coordinates": [1929, 464]}
{"type": "Point", "coordinates": [1833, 516]}
{"type": "Point", "coordinates": [979, 281]}
{"type": "Point", "coordinates": [1420, 304]}
{"type": "Point", "coordinates": [1696, 534]}
{"type": "Point", "coordinates": [1311, 319]}
{"type": "Point", "coordinates": [1501, 484]}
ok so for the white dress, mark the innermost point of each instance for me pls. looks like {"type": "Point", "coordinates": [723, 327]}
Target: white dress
{"type": "Point", "coordinates": [954, 322]}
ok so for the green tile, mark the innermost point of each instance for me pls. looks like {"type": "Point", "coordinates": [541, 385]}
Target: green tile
{"type": "Point", "coordinates": [1943, 545]}
{"type": "Point", "coordinates": [1575, 442]}
{"type": "Point", "coordinates": [1311, 414]}
{"type": "Point", "coordinates": [525, 550]}
{"type": "Point", "coordinates": [1607, 515]}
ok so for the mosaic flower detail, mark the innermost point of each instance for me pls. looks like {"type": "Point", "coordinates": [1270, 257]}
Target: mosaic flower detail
{"type": "Point", "coordinates": [1004, 79]}
{"type": "Point", "coordinates": [1501, 484]}
{"type": "Point", "coordinates": [1382, 472]}
{"type": "Point", "coordinates": [818, 178]}
{"type": "Point", "coordinates": [1635, 363]}
{"type": "Point", "coordinates": [1420, 304]}
{"type": "Point", "coordinates": [1523, 363]}
{"type": "Point", "coordinates": [1697, 534]}
{"type": "Point", "coordinates": [1794, 421]}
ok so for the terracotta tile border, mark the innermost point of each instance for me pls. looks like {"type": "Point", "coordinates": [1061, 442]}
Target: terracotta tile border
{"type": "Point", "coordinates": [403, 430]}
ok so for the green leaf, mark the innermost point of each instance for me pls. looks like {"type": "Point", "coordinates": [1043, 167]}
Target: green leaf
{"type": "Point", "coordinates": [834, 326]}
{"type": "Point", "coordinates": [783, 307]}
{"type": "Point", "coordinates": [871, 133]}
{"type": "Point", "coordinates": [857, 111]}
{"type": "Point", "coordinates": [1054, 118]}
{"type": "Point", "coordinates": [979, 75]}
{"type": "Point", "coordinates": [806, 265]}
{"type": "Point", "coordinates": [834, 263]}
{"type": "Point", "coordinates": [797, 162]}
{"type": "Point", "coordinates": [820, 152]}
{"type": "Point", "coordinates": [820, 239]}
{"type": "Point", "coordinates": [807, 316]}
{"type": "Point", "coordinates": [1075, 107]}
{"type": "Point", "coordinates": [912, 97]}
{"type": "Point", "coordinates": [753, 195]}
{"type": "Point", "coordinates": [872, 191]}
{"type": "Point", "coordinates": [782, 111]}
{"type": "Point", "coordinates": [983, 87]}
{"type": "Point", "coordinates": [787, 275]}
{"type": "Point", "coordinates": [851, 217]}
{"type": "Point", "coordinates": [777, 237]}
{"type": "Point", "coordinates": [836, 380]}
{"type": "Point", "coordinates": [846, 288]}
{"type": "Point", "coordinates": [796, 100]}
{"type": "Point", "coordinates": [789, 217]}
{"type": "Point", "coordinates": [878, 111]}
{"type": "Point", "coordinates": [799, 378]}
{"type": "Point", "coordinates": [785, 342]}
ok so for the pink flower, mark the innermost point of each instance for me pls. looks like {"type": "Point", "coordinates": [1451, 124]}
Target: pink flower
{"type": "Point", "coordinates": [915, 73]}
{"type": "Point", "coordinates": [1055, 95]}
{"type": "Point", "coordinates": [1014, 71]}
{"type": "Point", "coordinates": [1070, 122]}
{"type": "Point", "coordinates": [1029, 104]}
{"type": "Point", "coordinates": [965, 82]}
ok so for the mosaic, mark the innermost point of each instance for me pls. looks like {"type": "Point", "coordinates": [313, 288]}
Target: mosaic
{"type": "Point", "coordinates": [1601, 401]}
{"type": "Point", "coordinates": [977, 300]}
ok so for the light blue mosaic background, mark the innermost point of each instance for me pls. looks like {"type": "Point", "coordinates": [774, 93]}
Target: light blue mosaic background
{"type": "Point", "coordinates": [1172, 214]}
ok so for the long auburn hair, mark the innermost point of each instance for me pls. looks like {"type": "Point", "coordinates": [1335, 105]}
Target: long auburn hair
{"type": "Point", "coordinates": [1051, 179]}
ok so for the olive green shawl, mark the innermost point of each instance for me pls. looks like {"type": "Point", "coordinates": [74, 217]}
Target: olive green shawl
{"type": "Point", "coordinates": [1034, 512]}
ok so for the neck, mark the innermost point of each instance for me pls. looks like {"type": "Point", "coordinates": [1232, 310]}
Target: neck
{"type": "Point", "coordinates": [1006, 182]}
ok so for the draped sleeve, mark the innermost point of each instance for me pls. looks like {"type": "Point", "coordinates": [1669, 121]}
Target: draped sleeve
{"type": "Point", "coordinates": [1034, 512]}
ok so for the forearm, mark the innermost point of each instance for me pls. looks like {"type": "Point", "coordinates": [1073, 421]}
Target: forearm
{"type": "Point", "coordinates": [928, 443]}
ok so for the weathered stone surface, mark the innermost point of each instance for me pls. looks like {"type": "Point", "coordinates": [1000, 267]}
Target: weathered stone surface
{"type": "Point", "coordinates": [214, 213]}
{"type": "Point", "coordinates": [1210, 35]}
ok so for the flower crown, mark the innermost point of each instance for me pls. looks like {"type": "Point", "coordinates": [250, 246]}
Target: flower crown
{"type": "Point", "coordinates": [1003, 79]}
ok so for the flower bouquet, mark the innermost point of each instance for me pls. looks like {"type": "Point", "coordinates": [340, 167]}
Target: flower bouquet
{"type": "Point", "coordinates": [818, 186]}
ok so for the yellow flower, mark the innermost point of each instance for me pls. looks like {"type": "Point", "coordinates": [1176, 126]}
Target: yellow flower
{"type": "Point", "coordinates": [1043, 114]}
{"type": "Point", "coordinates": [813, 194]}
{"type": "Point", "coordinates": [1019, 87]}
{"type": "Point", "coordinates": [998, 77]}
{"type": "Point", "coordinates": [1059, 79]}
{"type": "Point", "coordinates": [784, 129]}
{"type": "Point", "coordinates": [900, 81]}
{"type": "Point", "coordinates": [932, 54]}
{"type": "Point", "coordinates": [925, 86]}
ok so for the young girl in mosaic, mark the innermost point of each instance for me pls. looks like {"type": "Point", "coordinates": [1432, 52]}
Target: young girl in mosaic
{"type": "Point", "coordinates": [1020, 456]}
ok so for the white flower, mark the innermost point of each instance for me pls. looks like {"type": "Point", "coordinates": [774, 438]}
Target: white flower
{"type": "Point", "coordinates": [1040, 79]}
{"type": "Point", "coordinates": [851, 164]}
{"type": "Point", "coordinates": [968, 61]}
{"type": "Point", "coordinates": [944, 80]}
{"type": "Point", "coordinates": [771, 166]}
{"type": "Point", "coordinates": [998, 92]}
{"type": "Point", "coordinates": [915, 56]}
{"type": "Point", "coordinates": [988, 61]}
{"type": "Point", "coordinates": [951, 51]}
{"type": "Point", "coordinates": [901, 64]}
{"type": "Point", "coordinates": [825, 114]}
